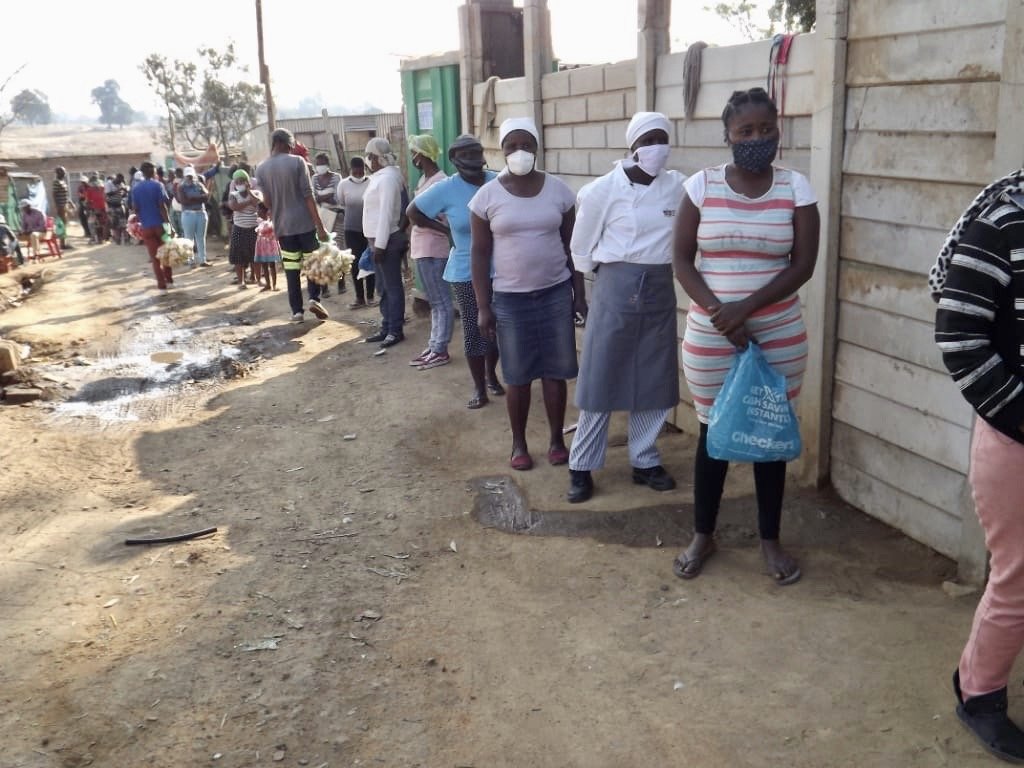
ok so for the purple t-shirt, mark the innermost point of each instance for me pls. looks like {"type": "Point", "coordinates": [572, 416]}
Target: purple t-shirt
{"type": "Point", "coordinates": [528, 252]}
{"type": "Point", "coordinates": [147, 195]}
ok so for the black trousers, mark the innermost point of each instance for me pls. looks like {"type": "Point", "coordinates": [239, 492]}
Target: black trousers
{"type": "Point", "coordinates": [709, 482]}
{"type": "Point", "coordinates": [356, 242]}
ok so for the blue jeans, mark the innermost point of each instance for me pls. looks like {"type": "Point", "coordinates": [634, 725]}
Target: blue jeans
{"type": "Point", "coordinates": [193, 226]}
{"type": "Point", "coordinates": [389, 282]}
{"type": "Point", "coordinates": [439, 294]}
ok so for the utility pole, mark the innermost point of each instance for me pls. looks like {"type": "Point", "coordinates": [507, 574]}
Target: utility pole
{"type": "Point", "coordinates": [264, 70]}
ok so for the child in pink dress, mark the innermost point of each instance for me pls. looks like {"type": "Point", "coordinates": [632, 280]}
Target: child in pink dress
{"type": "Point", "coordinates": [268, 252]}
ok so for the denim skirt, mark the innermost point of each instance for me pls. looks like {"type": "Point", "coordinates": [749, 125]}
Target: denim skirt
{"type": "Point", "coordinates": [536, 334]}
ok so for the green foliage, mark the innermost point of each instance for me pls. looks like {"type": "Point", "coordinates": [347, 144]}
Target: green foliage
{"type": "Point", "coordinates": [794, 15]}
{"type": "Point", "coordinates": [208, 102]}
{"type": "Point", "coordinates": [113, 109]}
{"type": "Point", "coordinates": [789, 15]}
{"type": "Point", "coordinates": [31, 107]}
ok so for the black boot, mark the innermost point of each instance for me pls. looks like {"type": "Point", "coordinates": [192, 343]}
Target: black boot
{"type": "Point", "coordinates": [654, 477]}
{"type": "Point", "coordinates": [581, 486]}
{"type": "Point", "coordinates": [985, 716]}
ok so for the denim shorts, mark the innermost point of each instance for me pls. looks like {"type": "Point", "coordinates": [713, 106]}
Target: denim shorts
{"type": "Point", "coordinates": [536, 334]}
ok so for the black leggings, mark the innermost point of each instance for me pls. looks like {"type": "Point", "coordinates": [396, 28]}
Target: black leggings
{"type": "Point", "coordinates": [356, 242]}
{"type": "Point", "coordinates": [709, 481]}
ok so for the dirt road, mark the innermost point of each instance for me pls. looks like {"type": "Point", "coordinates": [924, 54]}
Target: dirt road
{"type": "Point", "coordinates": [352, 610]}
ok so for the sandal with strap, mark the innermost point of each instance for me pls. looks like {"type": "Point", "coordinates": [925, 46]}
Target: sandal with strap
{"type": "Point", "coordinates": [687, 567]}
{"type": "Point", "coordinates": [495, 388]}
{"type": "Point", "coordinates": [479, 400]}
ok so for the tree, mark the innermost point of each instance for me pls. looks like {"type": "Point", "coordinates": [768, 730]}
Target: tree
{"type": "Point", "coordinates": [795, 15]}
{"type": "Point", "coordinates": [113, 109]}
{"type": "Point", "coordinates": [32, 107]}
{"type": "Point", "coordinates": [792, 15]}
{"type": "Point", "coordinates": [205, 103]}
{"type": "Point", "coordinates": [7, 119]}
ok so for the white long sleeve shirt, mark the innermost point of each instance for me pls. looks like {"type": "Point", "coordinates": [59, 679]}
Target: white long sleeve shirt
{"type": "Point", "coordinates": [382, 205]}
{"type": "Point", "coordinates": [618, 220]}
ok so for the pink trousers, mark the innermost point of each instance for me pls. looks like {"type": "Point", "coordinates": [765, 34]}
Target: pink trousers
{"type": "Point", "coordinates": [997, 635]}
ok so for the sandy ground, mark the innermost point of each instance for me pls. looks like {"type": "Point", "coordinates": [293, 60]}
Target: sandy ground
{"type": "Point", "coordinates": [392, 628]}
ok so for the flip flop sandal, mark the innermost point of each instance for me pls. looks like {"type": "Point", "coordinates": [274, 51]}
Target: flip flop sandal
{"type": "Point", "coordinates": [522, 462]}
{"type": "Point", "coordinates": [785, 581]}
{"type": "Point", "coordinates": [690, 567]}
{"type": "Point", "coordinates": [495, 388]}
{"type": "Point", "coordinates": [558, 456]}
{"type": "Point", "coordinates": [477, 401]}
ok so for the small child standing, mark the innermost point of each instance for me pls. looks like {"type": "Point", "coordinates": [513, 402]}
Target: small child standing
{"type": "Point", "coordinates": [268, 252]}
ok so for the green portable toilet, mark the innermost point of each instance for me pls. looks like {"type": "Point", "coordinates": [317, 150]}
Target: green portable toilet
{"type": "Point", "coordinates": [430, 91]}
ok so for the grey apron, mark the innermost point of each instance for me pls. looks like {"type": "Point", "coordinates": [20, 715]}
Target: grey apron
{"type": "Point", "coordinates": [630, 359]}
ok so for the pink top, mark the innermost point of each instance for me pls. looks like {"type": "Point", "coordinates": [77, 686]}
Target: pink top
{"type": "Point", "coordinates": [528, 251]}
{"type": "Point", "coordinates": [425, 243]}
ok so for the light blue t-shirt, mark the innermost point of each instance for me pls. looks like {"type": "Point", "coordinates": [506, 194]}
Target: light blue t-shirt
{"type": "Point", "coordinates": [451, 197]}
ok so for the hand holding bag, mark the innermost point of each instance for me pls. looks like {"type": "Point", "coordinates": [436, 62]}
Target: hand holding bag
{"type": "Point", "coordinates": [752, 419]}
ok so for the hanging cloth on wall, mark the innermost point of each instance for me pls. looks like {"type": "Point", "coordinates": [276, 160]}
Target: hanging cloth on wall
{"type": "Point", "coordinates": [778, 58]}
{"type": "Point", "coordinates": [691, 77]}
{"type": "Point", "coordinates": [488, 108]}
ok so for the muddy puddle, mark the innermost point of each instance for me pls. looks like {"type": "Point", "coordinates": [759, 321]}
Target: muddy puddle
{"type": "Point", "coordinates": [145, 375]}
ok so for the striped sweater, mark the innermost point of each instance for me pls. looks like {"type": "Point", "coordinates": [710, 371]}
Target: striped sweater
{"type": "Point", "coordinates": [979, 326]}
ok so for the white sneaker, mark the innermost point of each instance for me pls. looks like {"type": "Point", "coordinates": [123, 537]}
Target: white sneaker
{"type": "Point", "coordinates": [318, 310]}
{"type": "Point", "coordinates": [298, 317]}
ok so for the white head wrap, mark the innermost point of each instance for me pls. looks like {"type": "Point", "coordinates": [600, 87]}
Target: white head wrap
{"type": "Point", "coordinates": [518, 124]}
{"type": "Point", "coordinates": [381, 147]}
{"type": "Point", "coordinates": [643, 122]}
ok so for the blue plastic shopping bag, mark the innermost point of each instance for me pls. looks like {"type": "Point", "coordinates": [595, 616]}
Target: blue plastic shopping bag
{"type": "Point", "coordinates": [752, 418]}
{"type": "Point", "coordinates": [365, 264]}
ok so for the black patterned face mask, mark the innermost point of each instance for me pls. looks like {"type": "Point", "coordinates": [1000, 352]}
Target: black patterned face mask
{"type": "Point", "coordinates": [754, 155]}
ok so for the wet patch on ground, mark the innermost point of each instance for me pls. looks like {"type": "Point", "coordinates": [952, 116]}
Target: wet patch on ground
{"type": "Point", "coordinates": [150, 371]}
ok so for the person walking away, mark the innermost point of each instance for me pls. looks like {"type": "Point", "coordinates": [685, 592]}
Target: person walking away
{"type": "Point", "coordinates": [756, 226]}
{"type": "Point", "coordinates": [521, 227]}
{"type": "Point", "coordinates": [288, 194]}
{"type": "Point", "coordinates": [96, 203]}
{"type": "Point", "coordinates": [244, 204]}
{"type": "Point", "coordinates": [83, 207]}
{"type": "Point", "coordinates": [61, 204]}
{"type": "Point", "coordinates": [192, 194]}
{"type": "Point", "coordinates": [325, 190]}
{"type": "Point", "coordinates": [979, 328]}
{"type": "Point", "coordinates": [382, 216]}
{"type": "Point", "coordinates": [429, 251]}
{"type": "Point", "coordinates": [149, 203]}
{"type": "Point", "coordinates": [444, 207]}
{"type": "Point", "coordinates": [349, 196]}
{"type": "Point", "coordinates": [630, 361]}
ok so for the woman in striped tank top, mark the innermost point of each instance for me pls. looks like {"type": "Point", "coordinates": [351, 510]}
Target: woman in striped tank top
{"type": "Point", "coordinates": [756, 228]}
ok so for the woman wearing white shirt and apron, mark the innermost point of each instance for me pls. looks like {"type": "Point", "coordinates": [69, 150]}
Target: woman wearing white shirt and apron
{"type": "Point", "coordinates": [630, 359]}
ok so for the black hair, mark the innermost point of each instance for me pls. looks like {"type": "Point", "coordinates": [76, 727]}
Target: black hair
{"type": "Point", "coordinates": [357, 162]}
{"type": "Point", "coordinates": [324, 156]}
{"type": "Point", "coordinates": [758, 96]}
{"type": "Point", "coordinates": [147, 169]}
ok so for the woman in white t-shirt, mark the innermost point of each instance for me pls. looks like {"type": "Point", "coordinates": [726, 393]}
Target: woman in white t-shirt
{"type": "Point", "coordinates": [521, 225]}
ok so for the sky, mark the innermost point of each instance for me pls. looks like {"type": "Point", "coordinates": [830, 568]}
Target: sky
{"type": "Point", "coordinates": [350, 55]}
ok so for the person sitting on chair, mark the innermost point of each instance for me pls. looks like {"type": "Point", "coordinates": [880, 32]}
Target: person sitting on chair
{"type": "Point", "coordinates": [33, 224]}
{"type": "Point", "coordinates": [9, 242]}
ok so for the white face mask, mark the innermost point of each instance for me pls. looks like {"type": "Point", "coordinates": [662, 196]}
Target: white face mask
{"type": "Point", "coordinates": [520, 162]}
{"type": "Point", "coordinates": [322, 169]}
{"type": "Point", "coordinates": [652, 158]}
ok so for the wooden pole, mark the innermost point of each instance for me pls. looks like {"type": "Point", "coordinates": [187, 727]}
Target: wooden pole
{"type": "Point", "coordinates": [264, 70]}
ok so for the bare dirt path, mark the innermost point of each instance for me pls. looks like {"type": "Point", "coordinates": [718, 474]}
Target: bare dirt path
{"type": "Point", "coordinates": [352, 611]}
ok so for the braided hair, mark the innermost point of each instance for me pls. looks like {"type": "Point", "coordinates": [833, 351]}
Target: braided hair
{"type": "Point", "coordinates": [758, 96]}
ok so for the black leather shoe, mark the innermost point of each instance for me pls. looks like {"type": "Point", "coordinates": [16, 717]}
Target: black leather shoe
{"type": "Point", "coordinates": [985, 716]}
{"type": "Point", "coordinates": [379, 336]}
{"type": "Point", "coordinates": [391, 339]}
{"type": "Point", "coordinates": [655, 478]}
{"type": "Point", "coordinates": [581, 486]}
